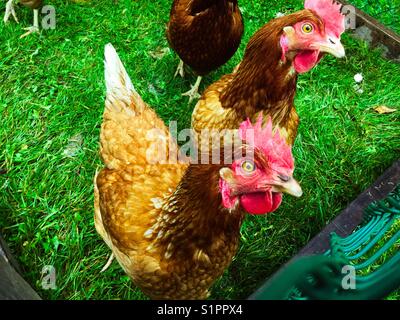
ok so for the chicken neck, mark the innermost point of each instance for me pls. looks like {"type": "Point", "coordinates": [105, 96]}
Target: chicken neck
{"type": "Point", "coordinates": [263, 81]}
{"type": "Point", "coordinates": [193, 218]}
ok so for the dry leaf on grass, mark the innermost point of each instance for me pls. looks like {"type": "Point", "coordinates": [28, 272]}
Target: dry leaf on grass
{"type": "Point", "coordinates": [384, 109]}
{"type": "Point", "coordinates": [159, 53]}
{"type": "Point", "coordinates": [74, 145]}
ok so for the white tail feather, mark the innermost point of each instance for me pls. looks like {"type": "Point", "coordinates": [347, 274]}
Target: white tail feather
{"type": "Point", "coordinates": [114, 71]}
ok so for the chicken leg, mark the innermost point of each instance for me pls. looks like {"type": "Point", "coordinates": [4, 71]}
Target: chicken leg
{"type": "Point", "coordinates": [35, 27]}
{"type": "Point", "coordinates": [109, 261]}
{"type": "Point", "coordinates": [10, 11]}
{"type": "Point", "coordinates": [180, 70]}
{"type": "Point", "coordinates": [194, 92]}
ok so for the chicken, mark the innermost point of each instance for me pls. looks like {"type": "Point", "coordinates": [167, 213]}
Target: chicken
{"type": "Point", "coordinates": [34, 5]}
{"type": "Point", "coordinates": [266, 78]}
{"type": "Point", "coordinates": [205, 34]}
{"type": "Point", "coordinates": [174, 227]}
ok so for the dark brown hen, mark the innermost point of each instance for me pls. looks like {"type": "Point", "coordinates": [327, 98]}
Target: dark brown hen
{"type": "Point", "coordinates": [205, 34]}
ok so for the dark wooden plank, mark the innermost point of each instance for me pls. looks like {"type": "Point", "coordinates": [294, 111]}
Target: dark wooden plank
{"type": "Point", "coordinates": [12, 285]}
{"type": "Point", "coordinates": [5, 253]}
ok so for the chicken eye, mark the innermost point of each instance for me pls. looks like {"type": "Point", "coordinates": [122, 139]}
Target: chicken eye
{"type": "Point", "coordinates": [307, 28]}
{"type": "Point", "coordinates": [248, 166]}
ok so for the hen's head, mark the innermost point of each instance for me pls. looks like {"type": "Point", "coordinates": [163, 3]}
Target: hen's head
{"type": "Point", "coordinates": [312, 32]}
{"type": "Point", "coordinates": [257, 182]}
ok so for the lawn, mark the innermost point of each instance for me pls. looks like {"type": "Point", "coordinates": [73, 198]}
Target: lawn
{"type": "Point", "coordinates": [51, 104]}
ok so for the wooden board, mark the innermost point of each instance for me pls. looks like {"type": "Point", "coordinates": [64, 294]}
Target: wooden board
{"type": "Point", "coordinates": [12, 285]}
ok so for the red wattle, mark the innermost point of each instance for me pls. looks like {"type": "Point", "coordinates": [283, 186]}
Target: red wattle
{"type": "Point", "coordinates": [260, 202]}
{"type": "Point", "coordinates": [305, 60]}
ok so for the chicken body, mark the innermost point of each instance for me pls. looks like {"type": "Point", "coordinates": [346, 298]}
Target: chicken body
{"type": "Point", "coordinates": [167, 231]}
{"type": "Point", "coordinates": [204, 33]}
{"type": "Point", "coordinates": [169, 243]}
{"type": "Point", "coordinates": [264, 81]}
{"type": "Point", "coordinates": [33, 4]}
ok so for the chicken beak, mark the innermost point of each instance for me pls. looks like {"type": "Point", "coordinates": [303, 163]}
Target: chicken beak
{"type": "Point", "coordinates": [291, 187]}
{"type": "Point", "coordinates": [333, 46]}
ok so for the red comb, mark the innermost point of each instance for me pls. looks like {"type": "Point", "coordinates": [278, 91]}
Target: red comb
{"type": "Point", "coordinates": [329, 11]}
{"type": "Point", "coordinates": [275, 148]}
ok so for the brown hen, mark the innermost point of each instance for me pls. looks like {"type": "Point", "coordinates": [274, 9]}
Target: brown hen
{"type": "Point", "coordinates": [266, 78]}
{"type": "Point", "coordinates": [174, 227]}
{"type": "Point", "coordinates": [205, 34]}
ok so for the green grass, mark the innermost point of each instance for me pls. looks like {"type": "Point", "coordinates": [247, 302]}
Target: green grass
{"type": "Point", "coordinates": [52, 89]}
